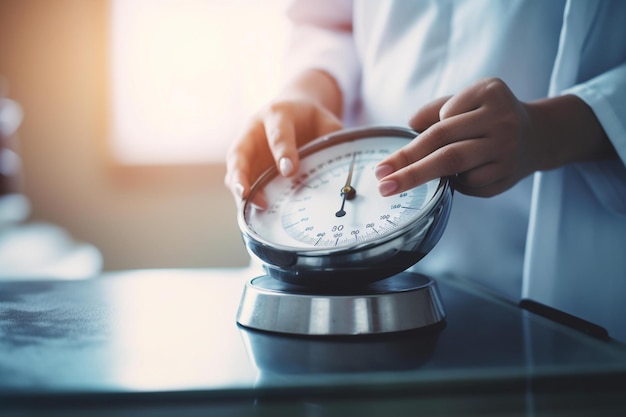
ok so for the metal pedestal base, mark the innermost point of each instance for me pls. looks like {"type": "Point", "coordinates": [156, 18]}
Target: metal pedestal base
{"type": "Point", "coordinates": [403, 302]}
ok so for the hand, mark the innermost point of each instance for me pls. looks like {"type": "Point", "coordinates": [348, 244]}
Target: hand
{"type": "Point", "coordinates": [481, 138]}
{"type": "Point", "coordinates": [307, 109]}
{"type": "Point", "coordinates": [273, 136]}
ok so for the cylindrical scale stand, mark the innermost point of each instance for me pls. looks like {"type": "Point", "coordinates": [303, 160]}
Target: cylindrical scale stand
{"type": "Point", "coordinates": [406, 301]}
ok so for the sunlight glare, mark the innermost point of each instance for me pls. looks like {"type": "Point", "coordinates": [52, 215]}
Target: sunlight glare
{"type": "Point", "coordinates": [186, 75]}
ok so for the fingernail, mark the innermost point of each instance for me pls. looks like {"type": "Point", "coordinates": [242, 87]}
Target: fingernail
{"type": "Point", "coordinates": [285, 166]}
{"type": "Point", "coordinates": [382, 171]}
{"type": "Point", "coordinates": [238, 189]}
{"type": "Point", "coordinates": [258, 202]}
{"type": "Point", "coordinates": [386, 188]}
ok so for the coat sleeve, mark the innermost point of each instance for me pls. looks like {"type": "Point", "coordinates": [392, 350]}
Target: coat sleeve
{"type": "Point", "coordinates": [592, 65]}
{"type": "Point", "coordinates": [606, 95]}
{"type": "Point", "coordinates": [321, 38]}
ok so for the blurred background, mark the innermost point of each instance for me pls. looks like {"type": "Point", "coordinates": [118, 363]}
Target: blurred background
{"type": "Point", "coordinates": [126, 110]}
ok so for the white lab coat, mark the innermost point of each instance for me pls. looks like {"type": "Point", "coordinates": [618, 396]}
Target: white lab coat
{"type": "Point", "coordinates": [561, 239]}
{"type": "Point", "coordinates": [576, 248]}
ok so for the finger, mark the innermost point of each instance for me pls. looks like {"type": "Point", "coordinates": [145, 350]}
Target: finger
{"type": "Point", "coordinates": [246, 159]}
{"type": "Point", "coordinates": [240, 186]}
{"type": "Point", "coordinates": [238, 177]}
{"type": "Point", "coordinates": [428, 115]}
{"type": "Point", "coordinates": [486, 180]}
{"type": "Point", "coordinates": [465, 101]}
{"type": "Point", "coordinates": [475, 96]}
{"type": "Point", "coordinates": [481, 176]}
{"type": "Point", "coordinates": [446, 161]}
{"type": "Point", "coordinates": [490, 190]}
{"type": "Point", "coordinates": [460, 117]}
{"type": "Point", "coordinates": [281, 138]}
{"type": "Point", "coordinates": [459, 128]}
{"type": "Point", "coordinates": [328, 123]}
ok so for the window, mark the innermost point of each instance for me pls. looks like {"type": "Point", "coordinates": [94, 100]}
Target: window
{"type": "Point", "coordinates": [186, 74]}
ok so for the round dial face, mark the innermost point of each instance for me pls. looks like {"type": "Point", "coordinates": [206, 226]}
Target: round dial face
{"type": "Point", "coordinates": [333, 202]}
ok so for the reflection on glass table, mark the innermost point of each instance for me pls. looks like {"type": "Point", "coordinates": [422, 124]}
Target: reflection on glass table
{"type": "Point", "coordinates": [136, 342]}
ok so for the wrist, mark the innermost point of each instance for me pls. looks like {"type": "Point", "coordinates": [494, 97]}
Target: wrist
{"type": "Point", "coordinates": [564, 130]}
{"type": "Point", "coordinates": [316, 86]}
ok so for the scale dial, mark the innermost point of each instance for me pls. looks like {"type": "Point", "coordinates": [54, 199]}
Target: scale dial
{"type": "Point", "coordinates": [328, 225]}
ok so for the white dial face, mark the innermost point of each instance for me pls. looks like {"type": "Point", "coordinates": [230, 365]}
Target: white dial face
{"type": "Point", "coordinates": [333, 201]}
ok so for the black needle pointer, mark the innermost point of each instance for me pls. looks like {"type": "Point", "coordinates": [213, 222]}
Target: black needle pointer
{"type": "Point", "coordinates": [348, 192]}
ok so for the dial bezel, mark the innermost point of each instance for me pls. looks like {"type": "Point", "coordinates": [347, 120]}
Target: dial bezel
{"type": "Point", "coordinates": [369, 261]}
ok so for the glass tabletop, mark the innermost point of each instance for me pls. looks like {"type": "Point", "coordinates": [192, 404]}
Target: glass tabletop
{"type": "Point", "coordinates": [168, 338]}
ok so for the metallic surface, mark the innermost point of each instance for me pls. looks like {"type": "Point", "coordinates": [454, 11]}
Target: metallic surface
{"type": "Point", "coordinates": [403, 302]}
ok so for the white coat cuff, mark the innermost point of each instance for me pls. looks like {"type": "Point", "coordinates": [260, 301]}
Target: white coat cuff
{"type": "Point", "coordinates": [606, 95]}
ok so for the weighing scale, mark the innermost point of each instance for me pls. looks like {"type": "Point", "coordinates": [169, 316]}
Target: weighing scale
{"type": "Point", "coordinates": [335, 252]}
